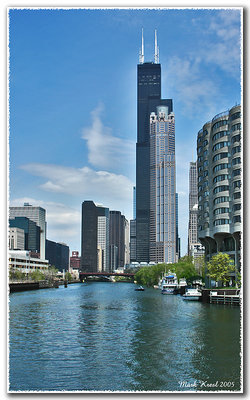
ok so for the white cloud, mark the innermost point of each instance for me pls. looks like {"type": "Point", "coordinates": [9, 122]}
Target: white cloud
{"type": "Point", "coordinates": [104, 149]}
{"type": "Point", "coordinates": [113, 190]}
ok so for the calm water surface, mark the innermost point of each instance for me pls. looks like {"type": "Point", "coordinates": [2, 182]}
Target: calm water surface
{"type": "Point", "coordinates": [106, 336]}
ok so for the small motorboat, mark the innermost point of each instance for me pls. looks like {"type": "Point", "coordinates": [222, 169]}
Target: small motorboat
{"type": "Point", "coordinates": [140, 288]}
{"type": "Point", "coordinates": [192, 294]}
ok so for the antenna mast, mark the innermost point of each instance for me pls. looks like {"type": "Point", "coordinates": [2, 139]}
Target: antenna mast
{"type": "Point", "coordinates": [141, 56]}
{"type": "Point", "coordinates": [156, 49]}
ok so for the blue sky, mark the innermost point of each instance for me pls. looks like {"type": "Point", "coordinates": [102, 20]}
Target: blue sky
{"type": "Point", "coordinates": [72, 86]}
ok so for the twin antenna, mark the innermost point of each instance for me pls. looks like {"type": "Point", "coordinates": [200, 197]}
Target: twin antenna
{"type": "Point", "coordinates": [141, 55]}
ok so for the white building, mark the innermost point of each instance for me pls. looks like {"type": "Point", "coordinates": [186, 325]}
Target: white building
{"type": "Point", "coordinates": [162, 187]}
{"type": "Point", "coordinates": [36, 214]}
{"type": "Point", "coordinates": [103, 239]}
{"type": "Point", "coordinates": [22, 261]}
{"type": "Point", "coordinates": [16, 239]}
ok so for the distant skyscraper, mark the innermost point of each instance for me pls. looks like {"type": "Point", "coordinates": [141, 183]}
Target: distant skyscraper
{"type": "Point", "coordinates": [148, 98]}
{"type": "Point", "coordinates": [162, 186]}
{"type": "Point", "coordinates": [57, 254]}
{"type": "Point", "coordinates": [95, 238]}
{"type": "Point", "coordinates": [117, 230]}
{"type": "Point", "coordinates": [31, 233]}
{"type": "Point", "coordinates": [36, 214]}
{"type": "Point", "coordinates": [178, 242]}
{"type": "Point", "coordinates": [193, 206]}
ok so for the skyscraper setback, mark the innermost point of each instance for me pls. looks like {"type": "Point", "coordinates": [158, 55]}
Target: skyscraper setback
{"type": "Point", "coordinates": [148, 98]}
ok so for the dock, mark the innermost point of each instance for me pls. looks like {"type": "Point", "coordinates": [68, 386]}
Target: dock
{"type": "Point", "coordinates": [221, 297]}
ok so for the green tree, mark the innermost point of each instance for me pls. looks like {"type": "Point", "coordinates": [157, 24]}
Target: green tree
{"type": "Point", "coordinates": [68, 276]}
{"type": "Point", "coordinates": [220, 267]}
{"type": "Point", "coordinates": [37, 275]}
{"type": "Point", "coordinates": [51, 273]}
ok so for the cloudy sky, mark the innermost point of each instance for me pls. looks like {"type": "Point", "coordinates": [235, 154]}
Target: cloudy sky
{"type": "Point", "coordinates": [72, 88]}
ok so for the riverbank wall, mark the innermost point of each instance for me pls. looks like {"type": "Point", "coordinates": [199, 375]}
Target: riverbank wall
{"type": "Point", "coordinates": [23, 286]}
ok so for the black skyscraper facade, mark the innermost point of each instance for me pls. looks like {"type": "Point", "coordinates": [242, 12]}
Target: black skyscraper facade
{"type": "Point", "coordinates": [148, 98]}
{"type": "Point", "coordinates": [89, 237]}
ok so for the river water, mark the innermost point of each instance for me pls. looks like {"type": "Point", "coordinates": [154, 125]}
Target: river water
{"type": "Point", "coordinates": [103, 336]}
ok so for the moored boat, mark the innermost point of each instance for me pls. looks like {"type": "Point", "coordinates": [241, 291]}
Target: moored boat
{"type": "Point", "coordinates": [192, 294]}
{"type": "Point", "coordinates": [169, 283]}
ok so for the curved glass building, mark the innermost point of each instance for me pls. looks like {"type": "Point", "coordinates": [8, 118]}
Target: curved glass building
{"type": "Point", "coordinates": [219, 184]}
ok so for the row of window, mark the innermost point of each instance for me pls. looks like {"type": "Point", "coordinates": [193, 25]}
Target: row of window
{"type": "Point", "coordinates": [221, 199]}
{"type": "Point", "coordinates": [222, 221]}
{"type": "Point", "coordinates": [220, 145]}
{"type": "Point", "coordinates": [219, 135]}
{"type": "Point", "coordinates": [236, 127]}
{"type": "Point", "coordinates": [221, 166]}
{"type": "Point", "coordinates": [219, 124]}
{"type": "Point", "coordinates": [235, 116]}
{"type": "Point", "coordinates": [220, 178]}
{"type": "Point", "coordinates": [236, 138]}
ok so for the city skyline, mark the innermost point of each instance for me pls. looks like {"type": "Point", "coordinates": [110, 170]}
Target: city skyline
{"type": "Point", "coordinates": [73, 102]}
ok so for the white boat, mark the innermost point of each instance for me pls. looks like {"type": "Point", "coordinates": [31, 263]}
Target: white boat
{"type": "Point", "coordinates": [182, 282]}
{"type": "Point", "coordinates": [192, 294]}
{"type": "Point", "coordinates": [169, 283]}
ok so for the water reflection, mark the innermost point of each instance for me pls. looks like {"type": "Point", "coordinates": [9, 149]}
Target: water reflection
{"type": "Point", "coordinates": [104, 336]}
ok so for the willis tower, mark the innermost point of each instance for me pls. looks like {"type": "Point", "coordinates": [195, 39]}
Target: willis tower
{"type": "Point", "coordinates": [148, 98]}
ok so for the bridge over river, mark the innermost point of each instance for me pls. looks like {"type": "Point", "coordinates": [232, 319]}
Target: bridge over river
{"type": "Point", "coordinates": [83, 275]}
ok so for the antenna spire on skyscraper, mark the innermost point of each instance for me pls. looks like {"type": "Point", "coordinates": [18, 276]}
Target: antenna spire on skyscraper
{"type": "Point", "coordinates": [141, 57]}
{"type": "Point", "coordinates": [156, 49]}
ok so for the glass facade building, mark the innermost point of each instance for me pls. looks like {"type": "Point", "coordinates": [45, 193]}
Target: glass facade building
{"type": "Point", "coordinates": [58, 255]}
{"type": "Point", "coordinates": [94, 238]}
{"type": "Point", "coordinates": [148, 98]}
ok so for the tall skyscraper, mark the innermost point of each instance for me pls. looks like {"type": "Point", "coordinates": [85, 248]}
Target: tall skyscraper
{"type": "Point", "coordinates": [95, 238]}
{"type": "Point", "coordinates": [36, 214]}
{"type": "Point", "coordinates": [178, 240]}
{"type": "Point", "coordinates": [219, 185]}
{"type": "Point", "coordinates": [148, 98]}
{"type": "Point", "coordinates": [132, 231]}
{"type": "Point", "coordinates": [162, 186]}
{"type": "Point", "coordinates": [193, 206]}
{"type": "Point", "coordinates": [118, 238]}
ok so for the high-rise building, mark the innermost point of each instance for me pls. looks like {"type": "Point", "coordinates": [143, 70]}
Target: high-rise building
{"type": "Point", "coordinates": [132, 240]}
{"type": "Point", "coordinates": [31, 233]}
{"type": "Point", "coordinates": [103, 236]}
{"type": "Point", "coordinates": [95, 238]}
{"type": "Point", "coordinates": [126, 243]}
{"type": "Point", "coordinates": [132, 231]}
{"type": "Point", "coordinates": [117, 223]}
{"type": "Point", "coordinates": [16, 239]}
{"type": "Point", "coordinates": [148, 98]}
{"type": "Point", "coordinates": [193, 206]}
{"type": "Point", "coordinates": [36, 214]}
{"type": "Point", "coordinates": [178, 240]}
{"type": "Point", "coordinates": [195, 248]}
{"type": "Point", "coordinates": [57, 254]}
{"type": "Point", "coordinates": [162, 186]}
{"type": "Point", "coordinates": [219, 184]}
